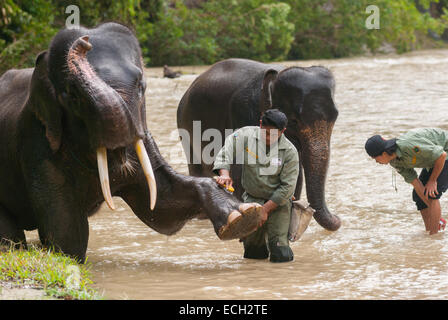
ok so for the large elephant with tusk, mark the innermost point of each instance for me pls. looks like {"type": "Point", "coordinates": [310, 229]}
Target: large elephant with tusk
{"type": "Point", "coordinates": [73, 134]}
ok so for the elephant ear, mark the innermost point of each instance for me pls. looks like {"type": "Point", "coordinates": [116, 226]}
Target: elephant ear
{"type": "Point", "coordinates": [43, 102]}
{"type": "Point", "coordinates": [266, 90]}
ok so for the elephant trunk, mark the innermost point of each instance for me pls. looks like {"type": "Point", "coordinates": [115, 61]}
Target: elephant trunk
{"type": "Point", "coordinates": [315, 156]}
{"type": "Point", "coordinates": [111, 124]}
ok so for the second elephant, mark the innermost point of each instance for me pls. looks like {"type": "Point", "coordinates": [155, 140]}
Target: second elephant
{"type": "Point", "coordinates": [234, 93]}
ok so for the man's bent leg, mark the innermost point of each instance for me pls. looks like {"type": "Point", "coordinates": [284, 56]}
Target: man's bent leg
{"type": "Point", "coordinates": [255, 244]}
{"type": "Point", "coordinates": [435, 213]}
{"type": "Point", "coordinates": [425, 211]}
{"type": "Point", "coordinates": [277, 229]}
{"type": "Point", "coordinates": [426, 215]}
{"type": "Point", "coordinates": [431, 215]}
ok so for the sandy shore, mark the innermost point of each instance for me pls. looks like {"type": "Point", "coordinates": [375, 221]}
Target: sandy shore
{"type": "Point", "coordinates": [11, 291]}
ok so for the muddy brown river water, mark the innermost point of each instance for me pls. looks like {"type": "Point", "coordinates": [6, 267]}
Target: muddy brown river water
{"type": "Point", "coordinates": [380, 252]}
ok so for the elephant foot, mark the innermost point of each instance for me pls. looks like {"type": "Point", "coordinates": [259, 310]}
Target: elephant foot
{"type": "Point", "coordinates": [241, 223]}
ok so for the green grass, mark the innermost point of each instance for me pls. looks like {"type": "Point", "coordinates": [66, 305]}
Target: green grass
{"type": "Point", "coordinates": [59, 275]}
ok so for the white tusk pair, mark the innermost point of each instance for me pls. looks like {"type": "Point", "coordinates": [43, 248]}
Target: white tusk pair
{"type": "Point", "coordinates": [103, 172]}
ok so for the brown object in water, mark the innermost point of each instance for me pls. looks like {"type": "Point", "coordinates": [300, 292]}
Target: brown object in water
{"type": "Point", "coordinates": [301, 214]}
{"type": "Point", "coordinates": [168, 73]}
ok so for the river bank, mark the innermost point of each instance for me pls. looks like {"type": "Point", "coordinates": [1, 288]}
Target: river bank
{"type": "Point", "coordinates": [38, 274]}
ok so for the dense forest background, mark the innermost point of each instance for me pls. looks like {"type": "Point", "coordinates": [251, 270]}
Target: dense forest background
{"type": "Point", "coordinates": [176, 32]}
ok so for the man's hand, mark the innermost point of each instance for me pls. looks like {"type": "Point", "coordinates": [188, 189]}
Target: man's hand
{"type": "Point", "coordinates": [420, 189]}
{"type": "Point", "coordinates": [268, 207]}
{"type": "Point", "coordinates": [224, 178]}
{"type": "Point", "coordinates": [264, 216]}
{"type": "Point", "coordinates": [431, 185]}
{"type": "Point", "coordinates": [431, 188]}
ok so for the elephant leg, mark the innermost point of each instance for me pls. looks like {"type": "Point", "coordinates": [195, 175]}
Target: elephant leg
{"type": "Point", "coordinates": [66, 233]}
{"type": "Point", "coordinates": [195, 170]}
{"type": "Point", "coordinates": [61, 219]}
{"type": "Point", "coordinates": [235, 173]}
{"type": "Point", "coordinates": [9, 232]}
{"type": "Point", "coordinates": [65, 230]}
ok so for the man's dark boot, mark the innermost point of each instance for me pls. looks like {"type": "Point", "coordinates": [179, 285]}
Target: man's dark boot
{"type": "Point", "coordinates": [281, 253]}
{"type": "Point", "coordinates": [254, 252]}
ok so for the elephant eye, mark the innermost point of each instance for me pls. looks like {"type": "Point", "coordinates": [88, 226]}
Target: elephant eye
{"type": "Point", "coordinates": [142, 86]}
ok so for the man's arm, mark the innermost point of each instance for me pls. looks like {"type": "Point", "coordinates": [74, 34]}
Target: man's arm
{"type": "Point", "coordinates": [268, 207]}
{"type": "Point", "coordinates": [288, 180]}
{"type": "Point", "coordinates": [408, 174]}
{"type": "Point", "coordinates": [420, 189]}
{"type": "Point", "coordinates": [223, 160]}
{"type": "Point", "coordinates": [431, 186]}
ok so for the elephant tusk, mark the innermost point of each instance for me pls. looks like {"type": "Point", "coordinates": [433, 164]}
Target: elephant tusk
{"type": "Point", "coordinates": [101, 154]}
{"type": "Point", "coordinates": [147, 169]}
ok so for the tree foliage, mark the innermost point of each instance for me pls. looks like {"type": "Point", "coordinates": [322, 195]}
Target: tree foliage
{"type": "Point", "coordinates": [179, 32]}
{"type": "Point", "coordinates": [25, 29]}
{"type": "Point", "coordinates": [327, 29]}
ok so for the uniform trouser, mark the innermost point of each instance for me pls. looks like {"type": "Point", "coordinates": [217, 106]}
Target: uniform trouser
{"type": "Point", "coordinates": [275, 229]}
{"type": "Point", "coordinates": [442, 185]}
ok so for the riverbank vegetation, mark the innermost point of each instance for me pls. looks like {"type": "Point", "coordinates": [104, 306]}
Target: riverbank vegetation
{"type": "Point", "coordinates": [187, 32]}
{"type": "Point", "coordinates": [58, 275]}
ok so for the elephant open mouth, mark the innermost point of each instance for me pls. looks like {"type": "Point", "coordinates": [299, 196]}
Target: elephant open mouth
{"type": "Point", "coordinates": [115, 119]}
{"type": "Point", "coordinates": [103, 172]}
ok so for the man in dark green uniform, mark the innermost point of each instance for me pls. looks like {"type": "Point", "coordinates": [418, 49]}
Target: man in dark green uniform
{"type": "Point", "coordinates": [270, 167]}
{"type": "Point", "coordinates": [419, 148]}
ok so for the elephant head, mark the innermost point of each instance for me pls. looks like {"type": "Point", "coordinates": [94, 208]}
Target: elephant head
{"type": "Point", "coordinates": [95, 98]}
{"type": "Point", "coordinates": [306, 96]}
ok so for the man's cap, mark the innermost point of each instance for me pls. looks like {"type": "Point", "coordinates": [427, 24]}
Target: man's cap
{"type": "Point", "coordinates": [376, 145]}
{"type": "Point", "coordinates": [274, 118]}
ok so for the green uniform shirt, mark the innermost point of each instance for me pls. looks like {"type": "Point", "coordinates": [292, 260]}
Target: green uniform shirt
{"type": "Point", "coordinates": [419, 148]}
{"type": "Point", "coordinates": [265, 175]}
